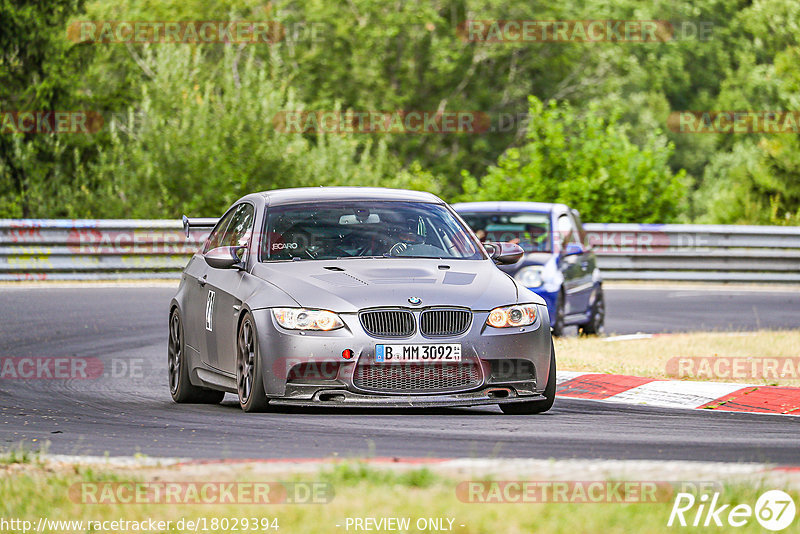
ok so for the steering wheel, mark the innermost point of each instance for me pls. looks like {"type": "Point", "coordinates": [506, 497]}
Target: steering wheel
{"type": "Point", "coordinates": [398, 248]}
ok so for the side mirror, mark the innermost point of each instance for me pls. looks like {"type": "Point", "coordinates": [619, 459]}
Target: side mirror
{"type": "Point", "coordinates": [225, 257]}
{"type": "Point", "coordinates": [504, 253]}
{"type": "Point", "coordinates": [572, 249]}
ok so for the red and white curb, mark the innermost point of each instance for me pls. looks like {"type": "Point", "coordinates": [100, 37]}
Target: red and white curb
{"type": "Point", "coordinates": [716, 396]}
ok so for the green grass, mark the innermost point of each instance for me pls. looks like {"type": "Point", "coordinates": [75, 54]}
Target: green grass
{"type": "Point", "coordinates": [353, 473]}
{"type": "Point", "coordinates": [360, 490]}
{"type": "Point", "coordinates": [19, 454]}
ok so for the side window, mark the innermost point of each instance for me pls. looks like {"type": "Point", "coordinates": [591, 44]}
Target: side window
{"type": "Point", "coordinates": [215, 238]}
{"type": "Point", "coordinates": [241, 227]}
{"type": "Point", "coordinates": [581, 232]}
{"type": "Point", "coordinates": [566, 230]}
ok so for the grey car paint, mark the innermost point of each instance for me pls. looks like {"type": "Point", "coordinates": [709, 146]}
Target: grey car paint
{"type": "Point", "coordinates": [353, 285]}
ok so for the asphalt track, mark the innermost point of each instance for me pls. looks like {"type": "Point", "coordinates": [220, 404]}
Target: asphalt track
{"type": "Point", "coordinates": [133, 413]}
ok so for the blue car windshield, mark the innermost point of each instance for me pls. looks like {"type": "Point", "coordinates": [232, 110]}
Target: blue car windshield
{"type": "Point", "coordinates": [356, 229]}
{"type": "Point", "coordinates": [530, 230]}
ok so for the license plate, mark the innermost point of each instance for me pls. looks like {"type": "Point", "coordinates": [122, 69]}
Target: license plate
{"type": "Point", "coordinates": [418, 353]}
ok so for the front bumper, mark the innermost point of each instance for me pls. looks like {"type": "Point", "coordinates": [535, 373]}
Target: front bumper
{"type": "Point", "coordinates": [282, 350]}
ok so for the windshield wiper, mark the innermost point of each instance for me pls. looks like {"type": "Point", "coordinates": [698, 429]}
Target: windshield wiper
{"type": "Point", "coordinates": [419, 257]}
{"type": "Point", "coordinates": [360, 257]}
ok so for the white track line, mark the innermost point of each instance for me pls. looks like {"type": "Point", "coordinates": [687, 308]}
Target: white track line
{"type": "Point", "coordinates": [675, 394]}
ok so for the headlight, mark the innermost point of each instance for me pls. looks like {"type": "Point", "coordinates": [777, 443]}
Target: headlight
{"type": "Point", "coordinates": [303, 319]}
{"type": "Point", "coordinates": [512, 316]}
{"type": "Point", "coordinates": [530, 276]}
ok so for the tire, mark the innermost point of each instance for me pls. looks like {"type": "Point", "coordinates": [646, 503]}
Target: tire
{"type": "Point", "coordinates": [596, 324]}
{"type": "Point", "coordinates": [249, 381]}
{"type": "Point", "coordinates": [181, 389]}
{"type": "Point", "coordinates": [534, 407]}
{"type": "Point", "coordinates": [558, 325]}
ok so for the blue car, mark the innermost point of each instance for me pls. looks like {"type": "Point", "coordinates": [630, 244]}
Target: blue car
{"type": "Point", "coordinates": [559, 264]}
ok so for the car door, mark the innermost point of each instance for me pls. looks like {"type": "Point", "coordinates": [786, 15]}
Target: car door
{"type": "Point", "coordinates": [571, 265]}
{"type": "Point", "coordinates": [198, 299]}
{"type": "Point", "coordinates": [222, 302]}
{"type": "Point", "coordinates": [587, 263]}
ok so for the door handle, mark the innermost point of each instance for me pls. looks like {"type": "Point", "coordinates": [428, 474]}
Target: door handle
{"type": "Point", "coordinates": [202, 281]}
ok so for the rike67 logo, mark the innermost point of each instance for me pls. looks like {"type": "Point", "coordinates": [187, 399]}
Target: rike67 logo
{"type": "Point", "coordinates": [774, 510]}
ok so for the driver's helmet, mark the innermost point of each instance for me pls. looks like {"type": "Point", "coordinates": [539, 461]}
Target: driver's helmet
{"type": "Point", "coordinates": [410, 234]}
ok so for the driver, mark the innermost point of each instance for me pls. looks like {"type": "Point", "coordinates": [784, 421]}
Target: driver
{"type": "Point", "coordinates": [406, 236]}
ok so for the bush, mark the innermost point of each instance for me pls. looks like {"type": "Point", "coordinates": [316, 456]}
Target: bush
{"type": "Point", "coordinates": [201, 138]}
{"type": "Point", "coordinates": [588, 162]}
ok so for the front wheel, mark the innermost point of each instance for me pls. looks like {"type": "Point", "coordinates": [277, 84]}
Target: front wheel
{"type": "Point", "coordinates": [558, 324]}
{"type": "Point", "coordinates": [249, 381]}
{"type": "Point", "coordinates": [540, 406]}
{"type": "Point", "coordinates": [596, 324]}
{"type": "Point", "coordinates": [181, 389]}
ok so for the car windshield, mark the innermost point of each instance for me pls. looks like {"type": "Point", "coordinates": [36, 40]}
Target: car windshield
{"type": "Point", "coordinates": [530, 230]}
{"type": "Point", "coordinates": [358, 229]}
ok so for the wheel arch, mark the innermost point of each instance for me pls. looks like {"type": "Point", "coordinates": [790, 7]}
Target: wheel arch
{"type": "Point", "coordinates": [175, 305]}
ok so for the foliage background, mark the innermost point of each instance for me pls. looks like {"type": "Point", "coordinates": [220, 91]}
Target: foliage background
{"type": "Point", "coordinates": [189, 127]}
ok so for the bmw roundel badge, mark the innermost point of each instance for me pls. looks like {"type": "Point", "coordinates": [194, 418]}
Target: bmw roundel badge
{"type": "Point", "coordinates": [416, 301]}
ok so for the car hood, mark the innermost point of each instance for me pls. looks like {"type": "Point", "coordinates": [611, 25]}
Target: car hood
{"type": "Point", "coordinates": [353, 284]}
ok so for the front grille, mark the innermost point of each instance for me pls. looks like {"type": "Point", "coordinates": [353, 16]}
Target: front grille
{"type": "Point", "coordinates": [444, 322]}
{"type": "Point", "coordinates": [388, 323]}
{"type": "Point", "coordinates": [417, 378]}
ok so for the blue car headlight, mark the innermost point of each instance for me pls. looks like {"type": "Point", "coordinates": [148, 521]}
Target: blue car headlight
{"type": "Point", "coordinates": [530, 276]}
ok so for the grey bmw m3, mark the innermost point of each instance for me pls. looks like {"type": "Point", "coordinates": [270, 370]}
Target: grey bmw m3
{"type": "Point", "coordinates": [355, 297]}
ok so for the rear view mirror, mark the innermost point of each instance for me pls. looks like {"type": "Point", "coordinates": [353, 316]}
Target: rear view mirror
{"type": "Point", "coordinates": [225, 257]}
{"type": "Point", "coordinates": [504, 253]}
{"type": "Point", "coordinates": [572, 249]}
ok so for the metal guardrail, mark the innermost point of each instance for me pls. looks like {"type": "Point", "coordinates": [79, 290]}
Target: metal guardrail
{"type": "Point", "coordinates": [58, 249]}
{"type": "Point", "coordinates": [693, 252]}
{"type": "Point", "coordinates": [55, 249]}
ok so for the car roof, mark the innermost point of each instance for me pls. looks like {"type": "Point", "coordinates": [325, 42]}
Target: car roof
{"type": "Point", "coordinates": [278, 197]}
{"type": "Point", "coordinates": [506, 206]}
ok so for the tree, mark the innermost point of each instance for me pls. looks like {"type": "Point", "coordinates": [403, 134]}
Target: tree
{"type": "Point", "coordinates": [203, 138]}
{"type": "Point", "coordinates": [587, 161]}
{"type": "Point", "coordinates": [39, 70]}
{"type": "Point", "coordinates": [754, 178]}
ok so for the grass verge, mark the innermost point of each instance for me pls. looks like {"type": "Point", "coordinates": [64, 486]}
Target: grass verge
{"type": "Point", "coordinates": [31, 491]}
{"type": "Point", "coordinates": [651, 357]}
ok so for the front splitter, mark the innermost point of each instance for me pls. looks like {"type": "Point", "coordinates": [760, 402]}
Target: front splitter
{"type": "Point", "coordinates": [347, 399]}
